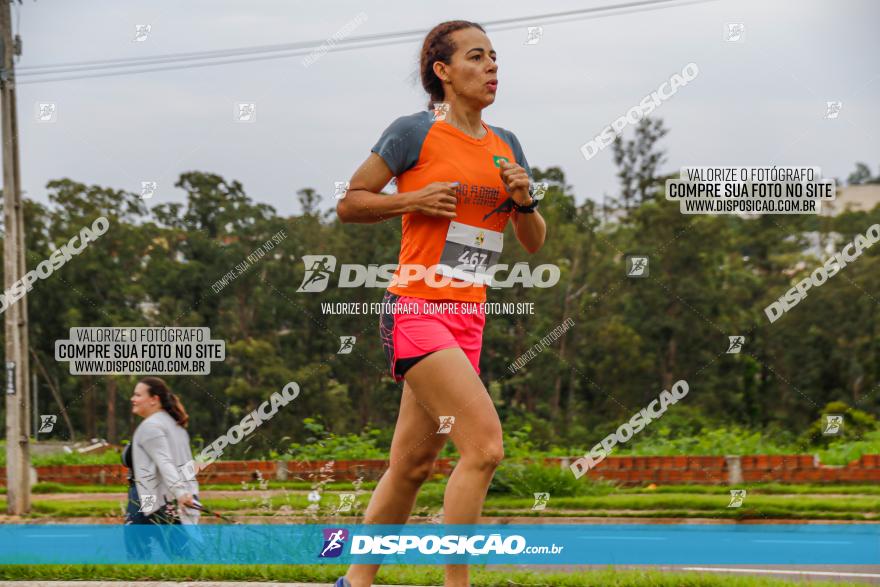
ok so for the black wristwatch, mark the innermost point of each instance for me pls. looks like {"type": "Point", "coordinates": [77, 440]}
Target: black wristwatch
{"type": "Point", "coordinates": [525, 209]}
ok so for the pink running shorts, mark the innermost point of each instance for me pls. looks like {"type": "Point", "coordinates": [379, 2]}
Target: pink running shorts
{"type": "Point", "coordinates": [414, 328]}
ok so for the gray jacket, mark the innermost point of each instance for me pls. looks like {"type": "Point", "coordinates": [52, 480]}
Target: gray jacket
{"type": "Point", "coordinates": [159, 449]}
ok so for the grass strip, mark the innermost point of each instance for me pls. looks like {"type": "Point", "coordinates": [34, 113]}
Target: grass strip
{"type": "Point", "coordinates": [391, 575]}
{"type": "Point", "coordinates": [777, 506]}
{"type": "Point", "coordinates": [437, 487]}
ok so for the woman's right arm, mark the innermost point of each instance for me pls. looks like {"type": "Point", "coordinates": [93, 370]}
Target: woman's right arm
{"type": "Point", "coordinates": [364, 204]}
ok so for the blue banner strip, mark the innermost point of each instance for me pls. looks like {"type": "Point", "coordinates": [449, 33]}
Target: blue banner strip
{"type": "Point", "coordinates": [611, 544]}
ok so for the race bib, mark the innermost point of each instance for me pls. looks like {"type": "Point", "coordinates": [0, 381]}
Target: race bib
{"type": "Point", "coordinates": [470, 252]}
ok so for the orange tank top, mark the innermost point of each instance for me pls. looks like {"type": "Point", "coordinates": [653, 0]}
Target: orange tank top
{"type": "Point", "coordinates": [458, 254]}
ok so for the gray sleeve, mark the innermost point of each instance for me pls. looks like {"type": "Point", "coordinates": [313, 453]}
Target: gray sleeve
{"type": "Point", "coordinates": [400, 144]}
{"type": "Point", "coordinates": [157, 448]}
{"type": "Point", "coordinates": [511, 140]}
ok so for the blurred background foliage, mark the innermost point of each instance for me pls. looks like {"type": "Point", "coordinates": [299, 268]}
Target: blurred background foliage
{"type": "Point", "coordinates": [710, 278]}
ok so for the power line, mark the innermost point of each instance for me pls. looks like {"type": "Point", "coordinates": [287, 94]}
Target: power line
{"type": "Point", "coordinates": [210, 64]}
{"type": "Point", "coordinates": [73, 66]}
{"type": "Point", "coordinates": [199, 59]}
{"type": "Point", "coordinates": [311, 44]}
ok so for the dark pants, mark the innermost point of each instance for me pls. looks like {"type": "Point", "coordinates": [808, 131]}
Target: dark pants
{"type": "Point", "coordinates": [138, 541]}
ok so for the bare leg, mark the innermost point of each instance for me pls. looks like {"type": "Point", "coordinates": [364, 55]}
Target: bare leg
{"type": "Point", "coordinates": [445, 384]}
{"type": "Point", "coordinates": [414, 449]}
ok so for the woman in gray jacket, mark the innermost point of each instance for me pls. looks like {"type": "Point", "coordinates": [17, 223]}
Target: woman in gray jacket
{"type": "Point", "coordinates": [161, 460]}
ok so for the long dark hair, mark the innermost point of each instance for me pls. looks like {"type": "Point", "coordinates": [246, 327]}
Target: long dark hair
{"type": "Point", "coordinates": [170, 402]}
{"type": "Point", "coordinates": [438, 46]}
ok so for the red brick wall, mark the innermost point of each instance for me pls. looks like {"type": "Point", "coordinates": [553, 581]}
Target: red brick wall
{"type": "Point", "coordinates": [714, 470]}
{"type": "Point", "coordinates": [673, 470]}
{"type": "Point", "coordinates": [625, 470]}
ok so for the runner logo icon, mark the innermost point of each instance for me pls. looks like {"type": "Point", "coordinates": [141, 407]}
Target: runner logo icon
{"type": "Point", "coordinates": [47, 423]}
{"type": "Point", "coordinates": [833, 422]}
{"type": "Point", "coordinates": [736, 344]}
{"type": "Point", "coordinates": [334, 541]}
{"type": "Point", "coordinates": [318, 271]}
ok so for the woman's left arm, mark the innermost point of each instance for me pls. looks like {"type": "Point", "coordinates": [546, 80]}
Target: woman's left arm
{"type": "Point", "coordinates": [530, 228]}
{"type": "Point", "coordinates": [160, 452]}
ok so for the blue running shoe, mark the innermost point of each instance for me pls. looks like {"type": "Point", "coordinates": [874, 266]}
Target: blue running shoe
{"type": "Point", "coordinates": [342, 582]}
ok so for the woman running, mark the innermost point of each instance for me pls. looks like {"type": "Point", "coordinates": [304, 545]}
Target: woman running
{"type": "Point", "coordinates": [459, 180]}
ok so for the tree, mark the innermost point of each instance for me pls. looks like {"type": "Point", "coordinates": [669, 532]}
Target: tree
{"type": "Point", "coordinates": [638, 161]}
{"type": "Point", "coordinates": [862, 175]}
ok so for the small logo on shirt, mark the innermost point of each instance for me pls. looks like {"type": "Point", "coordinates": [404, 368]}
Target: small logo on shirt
{"type": "Point", "coordinates": [497, 158]}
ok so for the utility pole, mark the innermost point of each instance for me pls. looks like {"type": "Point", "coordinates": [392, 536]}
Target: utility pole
{"type": "Point", "coordinates": [18, 489]}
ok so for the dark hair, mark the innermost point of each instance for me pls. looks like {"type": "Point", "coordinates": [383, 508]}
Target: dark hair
{"type": "Point", "coordinates": [170, 402]}
{"type": "Point", "coordinates": [438, 46]}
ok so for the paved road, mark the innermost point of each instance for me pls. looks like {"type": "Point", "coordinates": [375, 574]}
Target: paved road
{"type": "Point", "coordinates": [859, 574]}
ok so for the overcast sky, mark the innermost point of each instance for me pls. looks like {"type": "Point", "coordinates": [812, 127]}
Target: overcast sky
{"type": "Point", "coordinates": [761, 101]}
